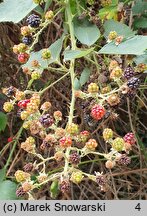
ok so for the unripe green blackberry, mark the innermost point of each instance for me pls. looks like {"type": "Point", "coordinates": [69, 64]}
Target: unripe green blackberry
{"type": "Point", "coordinates": [77, 177]}
{"type": "Point", "coordinates": [91, 144]}
{"type": "Point", "coordinates": [93, 88]}
{"type": "Point", "coordinates": [110, 164]}
{"type": "Point", "coordinates": [118, 144]}
{"type": "Point", "coordinates": [72, 129]}
{"type": "Point", "coordinates": [8, 107]}
{"type": "Point", "coordinates": [116, 73]}
{"type": "Point", "coordinates": [112, 35]}
{"type": "Point", "coordinates": [46, 54]}
{"type": "Point", "coordinates": [49, 15]}
{"type": "Point", "coordinates": [21, 176]}
{"type": "Point", "coordinates": [25, 30]}
{"type": "Point", "coordinates": [106, 3]}
{"type": "Point", "coordinates": [35, 75]}
{"type": "Point", "coordinates": [24, 115]}
{"type": "Point", "coordinates": [107, 134]}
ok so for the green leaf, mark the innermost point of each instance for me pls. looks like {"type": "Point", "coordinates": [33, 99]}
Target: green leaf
{"type": "Point", "coordinates": [120, 28]}
{"type": "Point", "coordinates": [133, 46]}
{"type": "Point", "coordinates": [108, 13]}
{"type": "Point", "coordinates": [73, 54]}
{"type": "Point", "coordinates": [84, 76]}
{"type": "Point", "coordinates": [15, 10]}
{"type": "Point", "coordinates": [47, 4]}
{"type": "Point", "coordinates": [7, 190]}
{"type": "Point", "coordinates": [2, 174]}
{"type": "Point", "coordinates": [140, 22]}
{"type": "Point", "coordinates": [55, 50]}
{"type": "Point", "coordinates": [141, 59]}
{"type": "Point", "coordinates": [86, 32]}
{"type": "Point", "coordinates": [77, 84]}
{"type": "Point", "coordinates": [3, 121]}
{"type": "Point", "coordinates": [54, 189]}
{"type": "Point", "coordinates": [140, 7]}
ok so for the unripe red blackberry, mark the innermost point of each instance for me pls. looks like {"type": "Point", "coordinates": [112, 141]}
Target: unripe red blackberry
{"type": "Point", "coordinates": [23, 57]}
{"type": "Point", "coordinates": [23, 103]}
{"type": "Point", "coordinates": [133, 83]}
{"type": "Point", "coordinates": [74, 158]}
{"type": "Point", "coordinates": [91, 144]}
{"type": "Point", "coordinates": [46, 106]}
{"type": "Point", "coordinates": [46, 120]}
{"type": "Point", "coordinates": [130, 138]}
{"type": "Point", "coordinates": [124, 160]}
{"type": "Point", "coordinates": [110, 164]}
{"type": "Point", "coordinates": [118, 40]}
{"type": "Point", "coordinates": [65, 142]}
{"type": "Point", "coordinates": [84, 136]}
{"type": "Point", "coordinates": [28, 167]}
{"type": "Point", "coordinates": [93, 88]}
{"type": "Point", "coordinates": [118, 144]}
{"type": "Point", "coordinates": [65, 186]}
{"type": "Point", "coordinates": [113, 100]}
{"type": "Point", "coordinates": [20, 192]}
{"type": "Point", "coordinates": [128, 72]}
{"type": "Point", "coordinates": [25, 30]}
{"type": "Point", "coordinates": [33, 20]}
{"type": "Point", "coordinates": [107, 134]}
{"type": "Point", "coordinates": [57, 115]}
{"type": "Point", "coordinates": [97, 112]}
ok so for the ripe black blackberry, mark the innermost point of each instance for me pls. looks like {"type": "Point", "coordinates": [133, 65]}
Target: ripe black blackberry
{"type": "Point", "coordinates": [33, 20]}
{"type": "Point", "coordinates": [128, 72]}
{"type": "Point", "coordinates": [19, 112]}
{"type": "Point", "coordinates": [124, 160]}
{"type": "Point", "coordinates": [20, 192]}
{"type": "Point", "coordinates": [11, 91]}
{"type": "Point", "coordinates": [28, 167]}
{"type": "Point", "coordinates": [65, 186]}
{"type": "Point", "coordinates": [133, 83]}
{"type": "Point", "coordinates": [46, 120]}
{"type": "Point", "coordinates": [27, 40]}
{"type": "Point", "coordinates": [74, 158]}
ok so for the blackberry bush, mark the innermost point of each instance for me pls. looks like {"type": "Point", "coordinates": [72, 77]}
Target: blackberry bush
{"type": "Point", "coordinates": [68, 118]}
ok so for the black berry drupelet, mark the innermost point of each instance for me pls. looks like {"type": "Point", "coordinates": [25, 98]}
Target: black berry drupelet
{"type": "Point", "coordinates": [128, 72]}
{"type": "Point", "coordinates": [133, 83]}
{"type": "Point", "coordinates": [46, 120]}
{"type": "Point", "coordinates": [33, 20]}
{"type": "Point", "coordinates": [27, 40]}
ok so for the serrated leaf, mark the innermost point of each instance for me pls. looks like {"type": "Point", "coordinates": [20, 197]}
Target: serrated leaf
{"type": "Point", "coordinates": [141, 59]}
{"type": "Point", "coordinates": [140, 7]}
{"type": "Point", "coordinates": [140, 22]}
{"type": "Point", "coordinates": [2, 174]}
{"type": "Point", "coordinates": [84, 76]}
{"type": "Point", "coordinates": [7, 190]}
{"type": "Point", "coordinates": [133, 46]}
{"type": "Point", "coordinates": [15, 10]}
{"type": "Point", "coordinates": [108, 13]}
{"type": "Point", "coordinates": [3, 121]}
{"type": "Point", "coordinates": [86, 32]}
{"type": "Point", "coordinates": [77, 84]}
{"type": "Point", "coordinates": [55, 50]}
{"type": "Point", "coordinates": [73, 54]}
{"type": "Point", "coordinates": [120, 28]}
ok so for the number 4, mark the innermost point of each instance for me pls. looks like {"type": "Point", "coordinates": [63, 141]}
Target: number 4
{"type": "Point", "coordinates": [138, 207]}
